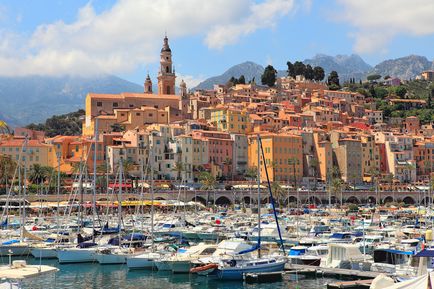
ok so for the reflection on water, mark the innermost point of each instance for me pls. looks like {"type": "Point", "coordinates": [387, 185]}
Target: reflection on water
{"type": "Point", "coordinates": [84, 276]}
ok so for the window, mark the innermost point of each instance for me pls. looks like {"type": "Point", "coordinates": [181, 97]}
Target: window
{"type": "Point", "coordinates": [168, 90]}
{"type": "Point", "coordinates": [99, 103]}
{"type": "Point", "coordinates": [167, 69]}
{"type": "Point", "coordinates": [137, 113]}
{"type": "Point", "coordinates": [150, 115]}
{"type": "Point", "coordinates": [115, 104]}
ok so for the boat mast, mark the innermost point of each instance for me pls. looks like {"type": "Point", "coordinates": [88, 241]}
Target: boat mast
{"type": "Point", "coordinates": [58, 193]}
{"type": "Point", "coordinates": [258, 179]}
{"type": "Point", "coordinates": [24, 189]}
{"type": "Point", "coordinates": [151, 165]}
{"type": "Point", "coordinates": [94, 176]}
{"type": "Point", "coordinates": [120, 200]}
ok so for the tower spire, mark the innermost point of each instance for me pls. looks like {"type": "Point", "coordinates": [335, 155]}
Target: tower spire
{"type": "Point", "coordinates": [166, 75]}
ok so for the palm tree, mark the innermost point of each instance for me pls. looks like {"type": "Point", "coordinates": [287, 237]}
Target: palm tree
{"type": "Point", "coordinates": [333, 177]}
{"type": "Point", "coordinates": [7, 169]}
{"type": "Point", "coordinates": [39, 174]}
{"type": "Point", "coordinates": [336, 187]}
{"type": "Point", "coordinates": [179, 168]}
{"type": "Point", "coordinates": [208, 183]}
{"type": "Point", "coordinates": [251, 174]}
{"type": "Point", "coordinates": [228, 163]}
{"type": "Point", "coordinates": [278, 192]}
{"type": "Point", "coordinates": [274, 165]}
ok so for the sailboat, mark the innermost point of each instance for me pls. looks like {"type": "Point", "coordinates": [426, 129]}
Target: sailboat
{"type": "Point", "coordinates": [145, 260]}
{"type": "Point", "coordinates": [18, 247]}
{"type": "Point", "coordinates": [115, 254]}
{"type": "Point", "coordinates": [236, 267]}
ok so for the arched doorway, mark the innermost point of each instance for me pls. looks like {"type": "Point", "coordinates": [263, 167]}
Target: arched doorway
{"type": "Point", "coordinates": [408, 200]}
{"type": "Point", "coordinates": [223, 201]}
{"type": "Point", "coordinates": [353, 200]}
{"type": "Point", "coordinates": [199, 200]}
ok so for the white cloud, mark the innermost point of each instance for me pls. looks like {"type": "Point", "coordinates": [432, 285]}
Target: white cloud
{"type": "Point", "coordinates": [261, 15]}
{"type": "Point", "coordinates": [129, 34]}
{"type": "Point", "coordinates": [378, 22]}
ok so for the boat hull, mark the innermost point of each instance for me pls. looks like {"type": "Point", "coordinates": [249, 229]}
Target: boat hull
{"type": "Point", "coordinates": [237, 273]}
{"type": "Point", "coordinates": [77, 255]}
{"type": "Point", "coordinates": [163, 265]}
{"type": "Point", "coordinates": [44, 253]}
{"type": "Point", "coordinates": [14, 250]}
{"type": "Point", "coordinates": [110, 259]}
{"type": "Point", "coordinates": [181, 266]}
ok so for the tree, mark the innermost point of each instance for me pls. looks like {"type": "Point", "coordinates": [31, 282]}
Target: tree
{"type": "Point", "coordinates": [278, 192]}
{"type": "Point", "coordinates": [333, 80]}
{"type": "Point", "coordinates": [7, 169]}
{"type": "Point", "coordinates": [251, 173]}
{"type": "Point", "coordinates": [269, 76]}
{"type": "Point", "coordinates": [242, 80]}
{"type": "Point", "coordinates": [39, 174]}
{"type": "Point", "coordinates": [116, 127]}
{"type": "Point", "coordinates": [290, 70]}
{"type": "Point", "coordinates": [178, 168]}
{"type": "Point", "coordinates": [299, 68]}
{"type": "Point", "coordinates": [228, 163]}
{"type": "Point", "coordinates": [207, 181]}
{"type": "Point", "coordinates": [318, 73]}
{"type": "Point", "coordinates": [380, 92]}
{"type": "Point", "coordinates": [401, 91]}
{"type": "Point", "coordinates": [308, 73]}
{"type": "Point", "coordinates": [373, 77]}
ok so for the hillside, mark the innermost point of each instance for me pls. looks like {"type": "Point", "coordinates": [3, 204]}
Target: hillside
{"type": "Point", "coordinates": [35, 98]}
{"type": "Point", "coordinates": [66, 124]}
{"type": "Point", "coordinates": [347, 66]}
{"type": "Point", "coordinates": [405, 67]}
{"type": "Point", "coordinates": [248, 69]}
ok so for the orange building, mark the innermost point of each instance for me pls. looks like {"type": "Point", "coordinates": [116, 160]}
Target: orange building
{"type": "Point", "coordinates": [283, 156]}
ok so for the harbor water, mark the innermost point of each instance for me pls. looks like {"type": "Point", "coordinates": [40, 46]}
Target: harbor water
{"type": "Point", "coordinates": [88, 275]}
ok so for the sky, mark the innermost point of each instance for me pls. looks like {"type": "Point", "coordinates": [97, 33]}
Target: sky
{"type": "Point", "coordinates": [124, 37]}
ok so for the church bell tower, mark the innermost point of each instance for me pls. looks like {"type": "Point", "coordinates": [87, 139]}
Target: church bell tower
{"type": "Point", "coordinates": [166, 75]}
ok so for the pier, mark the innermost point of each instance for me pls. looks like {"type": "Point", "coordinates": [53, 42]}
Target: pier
{"type": "Point", "coordinates": [331, 272]}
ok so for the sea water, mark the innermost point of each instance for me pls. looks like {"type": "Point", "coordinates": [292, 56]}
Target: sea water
{"type": "Point", "coordinates": [88, 275]}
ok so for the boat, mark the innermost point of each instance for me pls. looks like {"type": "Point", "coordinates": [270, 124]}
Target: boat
{"type": "Point", "coordinates": [238, 266]}
{"type": "Point", "coordinates": [143, 261]}
{"type": "Point", "coordinates": [236, 269]}
{"type": "Point", "coordinates": [183, 260]}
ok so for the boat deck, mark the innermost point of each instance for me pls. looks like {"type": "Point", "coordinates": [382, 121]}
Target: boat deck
{"type": "Point", "coordinates": [350, 284]}
{"type": "Point", "coordinates": [308, 270]}
{"type": "Point", "coordinates": [25, 272]}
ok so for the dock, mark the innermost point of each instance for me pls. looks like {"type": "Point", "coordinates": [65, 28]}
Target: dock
{"type": "Point", "coordinates": [24, 271]}
{"type": "Point", "coordinates": [350, 284]}
{"type": "Point", "coordinates": [332, 272]}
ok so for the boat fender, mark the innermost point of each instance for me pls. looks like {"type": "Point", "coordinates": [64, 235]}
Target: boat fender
{"type": "Point", "coordinates": [232, 263]}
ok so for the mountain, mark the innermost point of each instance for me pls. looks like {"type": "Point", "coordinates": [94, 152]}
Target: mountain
{"type": "Point", "coordinates": [249, 69]}
{"type": "Point", "coordinates": [405, 67]}
{"type": "Point", "coordinates": [31, 99]}
{"type": "Point", "coordinates": [347, 66]}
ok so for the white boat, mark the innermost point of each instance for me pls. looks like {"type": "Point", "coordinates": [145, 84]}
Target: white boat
{"type": "Point", "coordinates": [236, 269]}
{"type": "Point", "coordinates": [44, 252]}
{"type": "Point", "coordinates": [143, 261]}
{"type": "Point", "coordinates": [113, 255]}
{"type": "Point", "coordinates": [77, 255]}
{"type": "Point", "coordinates": [14, 249]}
{"type": "Point", "coordinates": [181, 262]}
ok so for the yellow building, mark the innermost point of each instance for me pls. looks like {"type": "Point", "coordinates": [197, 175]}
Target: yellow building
{"type": "Point", "coordinates": [370, 157]}
{"type": "Point", "coordinates": [231, 120]}
{"type": "Point", "coordinates": [35, 152]}
{"type": "Point", "coordinates": [283, 155]}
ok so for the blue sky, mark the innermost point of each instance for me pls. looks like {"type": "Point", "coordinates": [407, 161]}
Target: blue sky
{"type": "Point", "coordinates": [124, 37]}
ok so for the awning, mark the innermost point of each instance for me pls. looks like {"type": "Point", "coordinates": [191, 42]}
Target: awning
{"type": "Point", "coordinates": [117, 186]}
